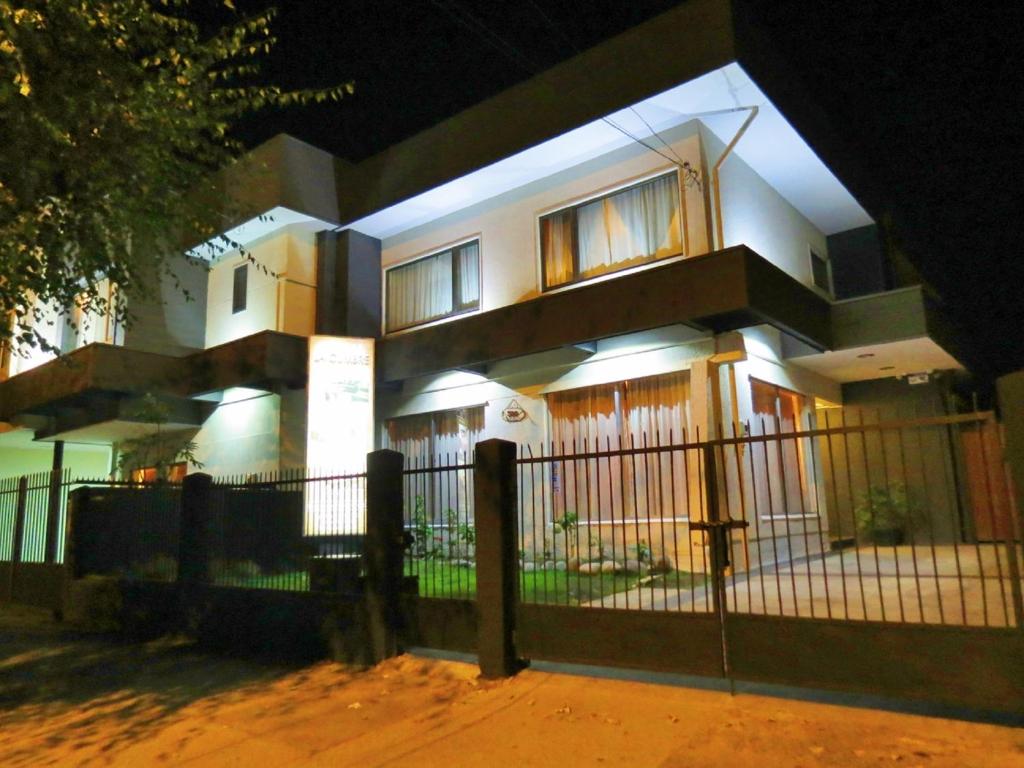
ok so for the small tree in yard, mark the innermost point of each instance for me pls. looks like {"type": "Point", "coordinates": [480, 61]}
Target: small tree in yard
{"type": "Point", "coordinates": [157, 448]}
{"type": "Point", "coordinates": [114, 117]}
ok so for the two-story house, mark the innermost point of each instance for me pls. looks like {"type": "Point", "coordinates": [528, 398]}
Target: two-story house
{"type": "Point", "coordinates": [653, 240]}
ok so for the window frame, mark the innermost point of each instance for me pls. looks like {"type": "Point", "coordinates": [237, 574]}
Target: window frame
{"type": "Point", "coordinates": [458, 308]}
{"type": "Point", "coordinates": [812, 254]}
{"type": "Point", "coordinates": [237, 305]}
{"type": "Point", "coordinates": [593, 198]}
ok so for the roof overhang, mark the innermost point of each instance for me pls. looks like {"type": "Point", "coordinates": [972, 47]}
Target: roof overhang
{"type": "Point", "coordinates": [699, 57]}
{"type": "Point", "coordinates": [895, 333]}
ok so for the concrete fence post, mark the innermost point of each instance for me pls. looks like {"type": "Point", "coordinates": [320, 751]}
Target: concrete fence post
{"type": "Point", "coordinates": [78, 502]}
{"type": "Point", "coordinates": [19, 535]}
{"type": "Point", "coordinates": [193, 545]}
{"type": "Point", "coordinates": [497, 582]}
{"type": "Point", "coordinates": [53, 516]}
{"type": "Point", "coordinates": [383, 552]}
{"type": "Point", "coordinates": [19, 522]}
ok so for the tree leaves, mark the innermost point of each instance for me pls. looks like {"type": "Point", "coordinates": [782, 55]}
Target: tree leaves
{"type": "Point", "coordinates": [114, 117]}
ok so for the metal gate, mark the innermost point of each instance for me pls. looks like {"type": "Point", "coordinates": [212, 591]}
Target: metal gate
{"type": "Point", "coordinates": [856, 553]}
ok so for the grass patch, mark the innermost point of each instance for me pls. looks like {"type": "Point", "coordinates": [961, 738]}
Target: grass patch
{"type": "Point", "coordinates": [440, 578]}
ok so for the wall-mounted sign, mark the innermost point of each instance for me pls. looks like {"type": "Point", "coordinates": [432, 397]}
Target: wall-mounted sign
{"type": "Point", "coordinates": [339, 429]}
{"type": "Point", "coordinates": [513, 412]}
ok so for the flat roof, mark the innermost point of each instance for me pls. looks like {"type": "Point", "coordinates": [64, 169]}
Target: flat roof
{"type": "Point", "coordinates": [646, 77]}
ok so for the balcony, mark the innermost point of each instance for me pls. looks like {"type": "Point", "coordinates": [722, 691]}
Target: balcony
{"type": "Point", "coordinates": [721, 291]}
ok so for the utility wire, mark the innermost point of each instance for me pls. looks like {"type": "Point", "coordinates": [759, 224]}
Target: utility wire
{"type": "Point", "coordinates": [475, 25]}
{"type": "Point", "coordinates": [564, 35]}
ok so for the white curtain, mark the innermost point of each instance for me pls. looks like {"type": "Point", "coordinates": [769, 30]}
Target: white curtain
{"type": "Point", "coordinates": [469, 275]}
{"type": "Point", "coordinates": [631, 226]}
{"type": "Point", "coordinates": [419, 291]}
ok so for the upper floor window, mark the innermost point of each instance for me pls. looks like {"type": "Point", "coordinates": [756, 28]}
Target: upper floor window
{"type": "Point", "coordinates": [821, 272]}
{"type": "Point", "coordinates": [240, 289]}
{"type": "Point", "coordinates": [435, 286]}
{"type": "Point", "coordinates": [623, 229]}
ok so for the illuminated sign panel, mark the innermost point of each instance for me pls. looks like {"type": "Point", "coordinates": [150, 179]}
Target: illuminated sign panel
{"type": "Point", "coordinates": [339, 431]}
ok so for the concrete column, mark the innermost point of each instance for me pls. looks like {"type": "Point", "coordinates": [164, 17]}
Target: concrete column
{"type": "Point", "coordinates": [78, 502]}
{"type": "Point", "coordinates": [497, 583]}
{"type": "Point", "coordinates": [193, 559]}
{"type": "Point", "coordinates": [348, 297]}
{"type": "Point", "coordinates": [383, 551]}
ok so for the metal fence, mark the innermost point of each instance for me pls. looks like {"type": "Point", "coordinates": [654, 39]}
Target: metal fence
{"type": "Point", "coordinates": [25, 514]}
{"type": "Point", "coordinates": [607, 526]}
{"type": "Point", "coordinates": [858, 518]}
{"type": "Point", "coordinates": [285, 531]}
{"type": "Point", "coordinates": [440, 525]}
{"type": "Point", "coordinates": [127, 529]}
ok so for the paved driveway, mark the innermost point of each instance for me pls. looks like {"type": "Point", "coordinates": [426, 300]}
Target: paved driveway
{"type": "Point", "coordinates": [966, 584]}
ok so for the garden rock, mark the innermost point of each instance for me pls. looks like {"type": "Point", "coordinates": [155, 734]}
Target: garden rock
{"type": "Point", "coordinates": [635, 566]}
{"type": "Point", "coordinates": [663, 564]}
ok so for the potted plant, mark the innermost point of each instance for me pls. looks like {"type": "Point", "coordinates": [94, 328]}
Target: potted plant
{"type": "Point", "coordinates": [884, 514]}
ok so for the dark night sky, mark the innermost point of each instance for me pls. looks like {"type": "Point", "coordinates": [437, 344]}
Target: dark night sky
{"type": "Point", "coordinates": [929, 94]}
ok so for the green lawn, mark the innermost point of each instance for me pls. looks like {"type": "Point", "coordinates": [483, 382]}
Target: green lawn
{"type": "Point", "coordinates": [440, 578]}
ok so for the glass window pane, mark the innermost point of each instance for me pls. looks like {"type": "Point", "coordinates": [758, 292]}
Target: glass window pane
{"type": "Point", "coordinates": [469, 275]}
{"type": "Point", "coordinates": [556, 234]}
{"type": "Point", "coordinates": [420, 291]}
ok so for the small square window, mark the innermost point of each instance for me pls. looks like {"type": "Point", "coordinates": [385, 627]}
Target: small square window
{"type": "Point", "coordinates": [821, 273]}
{"type": "Point", "coordinates": [240, 289]}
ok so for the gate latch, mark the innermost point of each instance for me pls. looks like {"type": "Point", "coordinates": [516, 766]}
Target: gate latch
{"type": "Point", "coordinates": [718, 530]}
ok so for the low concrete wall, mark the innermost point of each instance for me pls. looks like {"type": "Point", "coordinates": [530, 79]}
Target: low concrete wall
{"type": "Point", "coordinates": [38, 584]}
{"type": "Point", "coordinates": [285, 625]}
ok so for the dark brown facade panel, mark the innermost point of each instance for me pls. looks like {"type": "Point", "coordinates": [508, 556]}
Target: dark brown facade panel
{"type": "Point", "coordinates": [720, 291]}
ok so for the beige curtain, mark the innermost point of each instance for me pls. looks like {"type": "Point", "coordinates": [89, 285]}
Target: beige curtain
{"type": "Point", "coordinates": [556, 233]}
{"type": "Point", "coordinates": [782, 483]}
{"type": "Point", "coordinates": [441, 439]}
{"type": "Point", "coordinates": [420, 291]}
{"type": "Point", "coordinates": [635, 413]}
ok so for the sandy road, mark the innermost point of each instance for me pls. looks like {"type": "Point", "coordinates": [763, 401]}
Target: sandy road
{"type": "Point", "coordinates": [79, 700]}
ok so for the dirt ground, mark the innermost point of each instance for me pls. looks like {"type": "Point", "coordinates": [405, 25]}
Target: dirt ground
{"type": "Point", "coordinates": [68, 699]}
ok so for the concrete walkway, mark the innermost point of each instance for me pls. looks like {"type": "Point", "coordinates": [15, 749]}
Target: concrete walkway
{"type": "Point", "coordinates": [84, 701]}
{"type": "Point", "coordinates": [961, 585]}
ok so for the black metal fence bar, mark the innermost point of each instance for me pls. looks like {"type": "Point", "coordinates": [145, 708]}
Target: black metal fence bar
{"type": "Point", "coordinates": [286, 530]}
{"type": "Point", "coordinates": [608, 526]}
{"type": "Point", "coordinates": [903, 521]}
{"type": "Point", "coordinates": [126, 530]}
{"type": "Point", "coordinates": [855, 518]}
{"type": "Point", "coordinates": [440, 524]}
